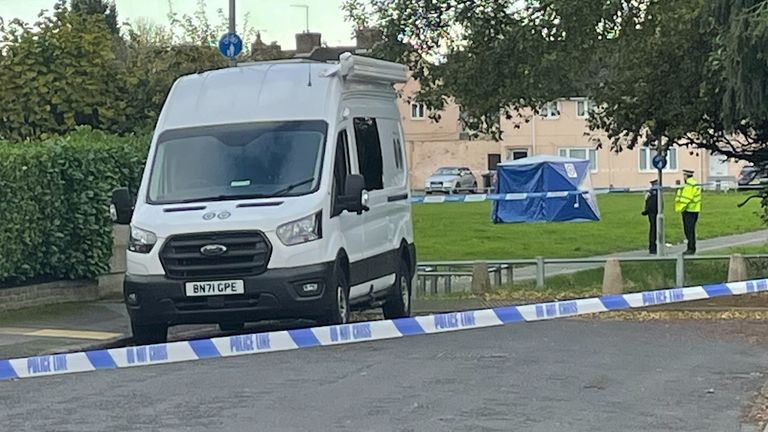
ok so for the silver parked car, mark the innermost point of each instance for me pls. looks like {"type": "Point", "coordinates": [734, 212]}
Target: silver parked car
{"type": "Point", "coordinates": [451, 180]}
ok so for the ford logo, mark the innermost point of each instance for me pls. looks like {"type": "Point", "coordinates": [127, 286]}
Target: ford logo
{"type": "Point", "coordinates": [213, 250]}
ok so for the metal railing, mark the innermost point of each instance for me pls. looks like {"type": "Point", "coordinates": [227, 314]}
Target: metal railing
{"type": "Point", "coordinates": [430, 275]}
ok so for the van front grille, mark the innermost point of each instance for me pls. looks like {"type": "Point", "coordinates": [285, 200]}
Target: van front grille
{"type": "Point", "coordinates": [247, 254]}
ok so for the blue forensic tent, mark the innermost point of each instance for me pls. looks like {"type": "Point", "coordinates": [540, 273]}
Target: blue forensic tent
{"type": "Point", "coordinates": [544, 189]}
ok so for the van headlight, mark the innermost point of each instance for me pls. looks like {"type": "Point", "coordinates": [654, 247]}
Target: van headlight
{"type": "Point", "coordinates": [304, 230]}
{"type": "Point", "coordinates": [141, 241]}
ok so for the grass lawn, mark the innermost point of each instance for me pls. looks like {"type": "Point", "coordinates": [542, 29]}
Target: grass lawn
{"type": "Point", "coordinates": [463, 231]}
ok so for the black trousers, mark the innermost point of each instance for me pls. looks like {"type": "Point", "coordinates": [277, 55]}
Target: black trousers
{"type": "Point", "coordinates": [652, 232]}
{"type": "Point", "coordinates": [689, 227]}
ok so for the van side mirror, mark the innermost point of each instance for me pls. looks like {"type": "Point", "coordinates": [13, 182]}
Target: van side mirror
{"type": "Point", "coordinates": [355, 198]}
{"type": "Point", "coordinates": [121, 209]}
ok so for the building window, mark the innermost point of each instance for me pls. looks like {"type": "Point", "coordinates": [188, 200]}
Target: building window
{"type": "Point", "coordinates": [418, 111]}
{"type": "Point", "coordinates": [584, 107]}
{"type": "Point", "coordinates": [515, 154]}
{"type": "Point", "coordinates": [645, 159]}
{"type": "Point", "coordinates": [583, 154]}
{"type": "Point", "coordinates": [550, 110]}
{"type": "Point", "coordinates": [493, 160]}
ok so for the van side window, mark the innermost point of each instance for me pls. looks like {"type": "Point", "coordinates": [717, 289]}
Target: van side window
{"type": "Point", "coordinates": [369, 152]}
{"type": "Point", "coordinates": [398, 153]}
{"type": "Point", "coordinates": [341, 165]}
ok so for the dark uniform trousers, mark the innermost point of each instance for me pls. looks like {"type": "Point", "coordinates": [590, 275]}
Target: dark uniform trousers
{"type": "Point", "coordinates": [652, 232]}
{"type": "Point", "coordinates": [689, 227]}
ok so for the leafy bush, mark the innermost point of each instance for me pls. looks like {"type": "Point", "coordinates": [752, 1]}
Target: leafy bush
{"type": "Point", "coordinates": [54, 203]}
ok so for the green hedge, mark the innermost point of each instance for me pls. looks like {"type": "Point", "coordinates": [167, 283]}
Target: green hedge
{"type": "Point", "coordinates": [54, 203]}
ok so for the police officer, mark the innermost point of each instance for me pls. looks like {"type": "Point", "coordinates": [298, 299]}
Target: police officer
{"type": "Point", "coordinates": [652, 210]}
{"type": "Point", "coordinates": [688, 202]}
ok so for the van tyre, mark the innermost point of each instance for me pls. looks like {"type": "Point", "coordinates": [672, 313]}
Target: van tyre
{"type": "Point", "coordinates": [145, 334]}
{"type": "Point", "coordinates": [339, 313]}
{"type": "Point", "coordinates": [398, 304]}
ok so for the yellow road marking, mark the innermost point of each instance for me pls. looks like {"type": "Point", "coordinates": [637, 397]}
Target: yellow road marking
{"type": "Point", "coordinates": [58, 333]}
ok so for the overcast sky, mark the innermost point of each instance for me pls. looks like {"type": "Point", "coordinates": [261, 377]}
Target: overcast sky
{"type": "Point", "coordinates": [277, 20]}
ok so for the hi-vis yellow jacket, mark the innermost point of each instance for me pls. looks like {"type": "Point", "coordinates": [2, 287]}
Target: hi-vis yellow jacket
{"type": "Point", "coordinates": [688, 198]}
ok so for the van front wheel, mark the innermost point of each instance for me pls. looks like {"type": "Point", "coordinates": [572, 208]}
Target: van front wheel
{"type": "Point", "coordinates": [398, 304]}
{"type": "Point", "coordinates": [339, 313]}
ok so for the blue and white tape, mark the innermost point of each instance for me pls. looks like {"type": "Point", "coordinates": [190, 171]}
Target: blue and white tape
{"type": "Point", "coordinates": [286, 340]}
{"type": "Point", "coordinates": [429, 199]}
{"type": "Point", "coordinates": [418, 199]}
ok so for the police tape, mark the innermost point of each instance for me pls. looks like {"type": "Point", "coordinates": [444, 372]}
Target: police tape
{"type": "Point", "coordinates": [473, 197]}
{"type": "Point", "coordinates": [286, 340]}
{"type": "Point", "coordinates": [418, 199]}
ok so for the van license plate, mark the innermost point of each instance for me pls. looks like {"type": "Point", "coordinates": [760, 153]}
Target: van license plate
{"type": "Point", "coordinates": [229, 287]}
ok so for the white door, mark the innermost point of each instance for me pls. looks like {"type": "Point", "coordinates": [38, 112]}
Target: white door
{"type": "Point", "coordinates": [370, 159]}
{"type": "Point", "coordinates": [351, 224]}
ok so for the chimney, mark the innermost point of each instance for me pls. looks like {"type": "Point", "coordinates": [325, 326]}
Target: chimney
{"type": "Point", "coordinates": [367, 37]}
{"type": "Point", "coordinates": [306, 42]}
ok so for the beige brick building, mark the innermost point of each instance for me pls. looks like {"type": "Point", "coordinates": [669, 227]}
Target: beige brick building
{"type": "Point", "coordinates": [559, 130]}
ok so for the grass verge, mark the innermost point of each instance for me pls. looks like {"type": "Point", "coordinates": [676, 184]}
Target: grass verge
{"type": "Point", "coordinates": [463, 231]}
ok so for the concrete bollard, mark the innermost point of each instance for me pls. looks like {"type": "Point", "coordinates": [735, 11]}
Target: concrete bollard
{"type": "Point", "coordinates": [613, 281]}
{"type": "Point", "coordinates": [737, 268]}
{"type": "Point", "coordinates": [481, 281]}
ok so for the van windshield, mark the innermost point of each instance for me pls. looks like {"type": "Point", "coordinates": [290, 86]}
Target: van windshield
{"type": "Point", "coordinates": [257, 160]}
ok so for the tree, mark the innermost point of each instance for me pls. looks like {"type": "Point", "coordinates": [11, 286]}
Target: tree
{"type": "Point", "coordinates": [689, 72]}
{"type": "Point", "coordinates": [104, 8]}
{"type": "Point", "coordinates": [58, 74]}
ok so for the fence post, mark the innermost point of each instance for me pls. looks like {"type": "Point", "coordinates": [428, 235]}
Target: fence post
{"type": "Point", "coordinates": [539, 272]}
{"type": "Point", "coordinates": [497, 276]}
{"type": "Point", "coordinates": [510, 274]}
{"type": "Point", "coordinates": [613, 281]}
{"type": "Point", "coordinates": [680, 271]}
{"type": "Point", "coordinates": [737, 268]}
{"type": "Point", "coordinates": [481, 281]}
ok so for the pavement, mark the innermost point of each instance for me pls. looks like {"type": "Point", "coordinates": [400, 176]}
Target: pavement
{"type": "Point", "coordinates": [574, 375]}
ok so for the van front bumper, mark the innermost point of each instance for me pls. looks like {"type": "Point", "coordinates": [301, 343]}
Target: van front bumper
{"type": "Point", "coordinates": [273, 294]}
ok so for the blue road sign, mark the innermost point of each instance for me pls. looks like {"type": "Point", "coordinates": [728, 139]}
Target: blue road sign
{"type": "Point", "coordinates": [659, 162]}
{"type": "Point", "coordinates": [230, 45]}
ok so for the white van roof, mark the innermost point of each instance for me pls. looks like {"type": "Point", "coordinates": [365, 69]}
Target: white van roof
{"type": "Point", "coordinates": [273, 90]}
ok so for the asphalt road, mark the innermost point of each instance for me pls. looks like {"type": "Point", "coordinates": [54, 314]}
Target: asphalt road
{"type": "Point", "coordinates": [560, 375]}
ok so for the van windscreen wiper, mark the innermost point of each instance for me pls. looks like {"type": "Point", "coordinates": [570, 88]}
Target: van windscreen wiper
{"type": "Point", "coordinates": [223, 198]}
{"type": "Point", "coordinates": [290, 187]}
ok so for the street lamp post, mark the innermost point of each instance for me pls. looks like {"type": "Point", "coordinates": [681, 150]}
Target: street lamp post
{"type": "Point", "coordinates": [660, 235]}
{"type": "Point", "coordinates": [232, 25]}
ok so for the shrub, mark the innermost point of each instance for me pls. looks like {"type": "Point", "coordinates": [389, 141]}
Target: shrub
{"type": "Point", "coordinates": [54, 203]}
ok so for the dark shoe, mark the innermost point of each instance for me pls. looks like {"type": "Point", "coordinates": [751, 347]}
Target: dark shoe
{"type": "Point", "coordinates": [689, 252]}
{"type": "Point", "coordinates": [652, 252]}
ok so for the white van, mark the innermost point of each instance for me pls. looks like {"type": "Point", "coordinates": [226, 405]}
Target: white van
{"type": "Point", "coordinates": [273, 190]}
